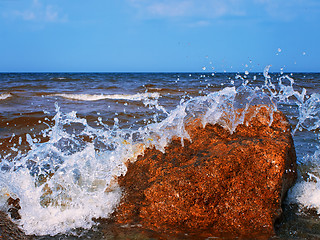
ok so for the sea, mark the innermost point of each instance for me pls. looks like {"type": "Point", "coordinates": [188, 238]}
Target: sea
{"type": "Point", "coordinates": [65, 138]}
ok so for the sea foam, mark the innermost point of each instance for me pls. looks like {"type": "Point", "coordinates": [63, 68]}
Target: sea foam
{"type": "Point", "coordinates": [97, 97]}
{"type": "Point", "coordinates": [4, 96]}
{"type": "Point", "coordinates": [69, 179]}
{"type": "Point", "coordinates": [65, 182]}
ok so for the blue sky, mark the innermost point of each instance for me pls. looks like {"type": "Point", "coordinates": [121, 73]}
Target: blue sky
{"type": "Point", "coordinates": [159, 35]}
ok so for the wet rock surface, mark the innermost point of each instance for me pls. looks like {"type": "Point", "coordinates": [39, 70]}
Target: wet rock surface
{"type": "Point", "coordinates": [216, 183]}
{"type": "Point", "coordinates": [9, 230]}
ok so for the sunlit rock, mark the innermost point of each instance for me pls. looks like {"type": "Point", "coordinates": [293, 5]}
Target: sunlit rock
{"type": "Point", "coordinates": [216, 183]}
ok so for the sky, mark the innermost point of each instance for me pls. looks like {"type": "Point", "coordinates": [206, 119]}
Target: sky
{"type": "Point", "coordinates": [159, 35]}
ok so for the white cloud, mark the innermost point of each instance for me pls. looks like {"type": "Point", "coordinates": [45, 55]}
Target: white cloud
{"type": "Point", "coordinates": [201, 23]}
{"type": "Point", "coordinates": [289, 10]}
{"type": "Point", "coordinates": [171, 9]}
{"type": "Point", "coordinates": [52, 15]}
{"type": "Point", "coordinates": [213, 9]}
{"type": "Point", "coordinates": [38, 11]}
{"type": "Point", "coordinates": [25, 15]}
{"type": "Point", "coordinates": [188, 8]}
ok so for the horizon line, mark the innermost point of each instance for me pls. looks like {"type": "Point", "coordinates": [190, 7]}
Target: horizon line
{"type": "Point", "coordinates": [157, 72]}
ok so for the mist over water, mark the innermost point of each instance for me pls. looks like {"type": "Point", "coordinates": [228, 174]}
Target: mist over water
{"type": "Point", "coordinates": [64, 138]}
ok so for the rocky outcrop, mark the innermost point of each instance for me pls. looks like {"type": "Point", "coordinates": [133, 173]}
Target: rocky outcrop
{"type": "Point", "coordinates": [9, 230]}
{"type": "Point", "coordinates": [216, 183]}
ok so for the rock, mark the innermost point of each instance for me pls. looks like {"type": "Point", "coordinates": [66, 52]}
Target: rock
{"type": "Point", "coordinates": [9, 230]}
{"type": "Point", "coordinates": [216, 183]}
{"type": "Point", "coordinates": [14, 207]}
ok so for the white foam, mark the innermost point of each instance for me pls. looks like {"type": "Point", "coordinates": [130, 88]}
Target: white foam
{"type": "Point", "coordinates": [4, 96]}
{"type": "Point", "coordinates": [306, 192]}
{"type": "Point", "coordinates": [97, 97]}
{"type": "Point", "coordinates": [65, 182]}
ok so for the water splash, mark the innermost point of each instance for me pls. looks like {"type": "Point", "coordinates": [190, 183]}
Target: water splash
{"type": "Point", "coordinates": [67, 181]}
{"type": "Point", "coordinates": [69, 178]}
{"type": "Point", "coordinates": [306, 192]}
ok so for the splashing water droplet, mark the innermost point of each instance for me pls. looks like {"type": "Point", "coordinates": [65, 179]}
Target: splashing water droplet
{"type": "Point", "coordinates": [266, 71]}
{"type": "Point", "coordinates": [71, 174]}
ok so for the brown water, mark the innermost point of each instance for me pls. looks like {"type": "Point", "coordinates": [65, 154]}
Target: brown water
{"type": "Point", "coordinates": [38, 130]}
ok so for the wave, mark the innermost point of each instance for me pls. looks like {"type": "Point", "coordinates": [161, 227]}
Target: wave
{"type": "Point", "coordinates": [4, 96]}
{"type": "Point", "coordinates": [306, 192]}
{"type": "Point", "coordinates": [64, 79]}
{"type": "Point", "coordinates": [69, 179]}
{"type": "Point", "coordinates": [97, 97]}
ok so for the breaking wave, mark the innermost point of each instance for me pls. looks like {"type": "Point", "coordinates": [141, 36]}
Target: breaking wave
{"type": "Point", "coordinates": [4, 96]}
{"type": "Point", "coordinates": [97, 97]}
{"type": "Point", "coordinates": [68, 176]}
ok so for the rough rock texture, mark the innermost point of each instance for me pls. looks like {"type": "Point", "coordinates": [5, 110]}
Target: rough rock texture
{"type": "Point", "coordinates": [218, 182]}
{"type": "Point", "coordinates": [9, 230]}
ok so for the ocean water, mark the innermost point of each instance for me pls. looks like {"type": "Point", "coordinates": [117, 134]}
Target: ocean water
{"type": "Point", "coordinates": [65, 137]}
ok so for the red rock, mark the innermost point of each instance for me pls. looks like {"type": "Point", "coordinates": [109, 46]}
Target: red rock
{"type": "Point", "coordinates": [217, 182]}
